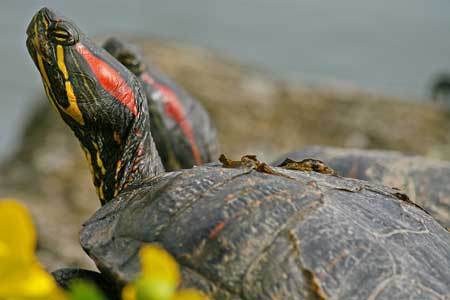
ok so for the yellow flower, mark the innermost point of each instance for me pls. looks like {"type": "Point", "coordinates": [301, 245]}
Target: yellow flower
{"type": "Point", "coordinates": [21, 275]}
{"type": "Point", "coordinates": [159, 279]}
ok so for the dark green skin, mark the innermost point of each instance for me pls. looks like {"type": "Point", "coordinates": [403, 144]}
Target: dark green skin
{"type": "Point", "coordinates": [238, 233]}
{"type": "Point", "coordinates": [172, 143]}
{"type": "Point", "coordinates": [425, 181]}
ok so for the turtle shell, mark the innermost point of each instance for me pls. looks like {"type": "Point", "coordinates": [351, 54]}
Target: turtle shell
{"type": "Point", "coordinates": [242, 234]}
{"type": "Point", "coordinates": [426, 181]}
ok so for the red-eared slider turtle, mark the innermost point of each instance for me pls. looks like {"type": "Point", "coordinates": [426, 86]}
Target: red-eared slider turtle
{"type": "Point", "coordinates": [183, 132]}
{"type": "Point", "coordinates": [425, 181]}
{"type": "Point", "coordinates": [248, 231]}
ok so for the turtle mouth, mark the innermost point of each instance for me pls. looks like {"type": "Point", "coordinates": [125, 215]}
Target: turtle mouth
{"type": "Point", "coordinates": [40, 22]}
{"type": "Point", "coordinates": [47, 30]}
{"type": "Point", "coordinates": [36, 32]}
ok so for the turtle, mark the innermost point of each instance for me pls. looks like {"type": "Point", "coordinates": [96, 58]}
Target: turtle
{"type": "Point", "coordinates": [426, 181]}
{"type": "Point", "coordinates": [240, 229]}
{"type": "Point", "coordinates": [182, 130]}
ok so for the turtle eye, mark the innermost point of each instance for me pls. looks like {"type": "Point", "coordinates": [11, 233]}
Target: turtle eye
{"type": "Point", "coordinates": [62, 33]}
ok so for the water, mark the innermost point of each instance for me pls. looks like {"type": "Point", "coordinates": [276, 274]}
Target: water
{"type": "Point", "coordinates": [394, 46]}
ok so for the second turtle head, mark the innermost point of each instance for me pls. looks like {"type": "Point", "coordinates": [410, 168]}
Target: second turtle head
{"type": "Point", "coordinates": [127, 54]}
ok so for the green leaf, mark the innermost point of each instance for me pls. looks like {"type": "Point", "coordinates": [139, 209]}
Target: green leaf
{"type": "Point", "coordinates": [84, 290]}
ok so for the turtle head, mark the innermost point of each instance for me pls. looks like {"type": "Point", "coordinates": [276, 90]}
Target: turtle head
{"type": "Point", "coordinates": [87, 86]}
{"type": "Point", "coordinates": [128, 54]}
{"type": "Point", "coordinates": [96, 96]}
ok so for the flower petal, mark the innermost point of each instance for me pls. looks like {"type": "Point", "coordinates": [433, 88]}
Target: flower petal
{"type": "Point", "coordinates": [129, 292]}
{"type": "Point", "coordinates": [159, 265]}
{"type": "Point", "coordinates": [30, 283]}
{"type": "Point", "coordinates": [39, 284]}
{"type": "Point", "coordinates": [17, 234]}
{"type": "Point", "coordinates": [189, 294]}
{"type": "Point", "coordinates": [21, 275]}
{"type": "Point", "coordinates": [154, 289]}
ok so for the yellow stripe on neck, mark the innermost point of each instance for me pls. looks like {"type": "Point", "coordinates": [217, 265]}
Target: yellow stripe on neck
{"type": "Point", "coordinates": [50, 97]}
{"type": "Point", "coordinates": [98, 188]}
{"type": "Point", "coordinates": [99, 160]}
{"type": "Point", "coordinates": [101, 193]}
{"type": "Point", "coordinates": [61, 64]}
{"type": "Point", "coordinates": [46, 81]}
{"type": "Point", "coordinates": [42, 69]}
{"type": "Point", "coordinates": [73, 110]}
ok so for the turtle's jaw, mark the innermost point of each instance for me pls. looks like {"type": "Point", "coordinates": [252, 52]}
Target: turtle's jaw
{"type": "Point", "coordinates": [48, 30]}
{"type": "Point", "coordinates": [37, 43]}
{"type": "Point", "coordinates": [40, 21]}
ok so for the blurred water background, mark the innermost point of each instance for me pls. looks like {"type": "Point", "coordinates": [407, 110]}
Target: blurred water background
{"type": "Point", "coordinates": [391, 46]}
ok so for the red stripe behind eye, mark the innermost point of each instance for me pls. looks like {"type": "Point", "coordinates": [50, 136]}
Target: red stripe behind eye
{"type": "Point", "coordinates": [109, 78]}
